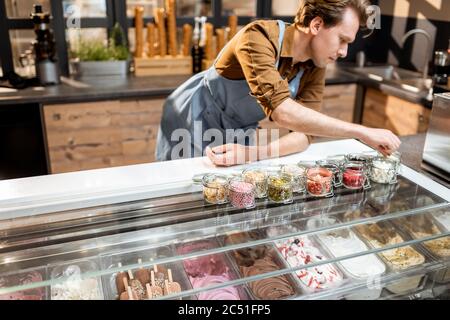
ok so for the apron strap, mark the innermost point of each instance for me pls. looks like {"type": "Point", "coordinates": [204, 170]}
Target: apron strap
{"type": "Point", "coordinates": [282, 26]}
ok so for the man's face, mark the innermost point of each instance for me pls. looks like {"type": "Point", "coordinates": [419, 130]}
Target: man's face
{"type": "Point", "coordinates": [329, 44]}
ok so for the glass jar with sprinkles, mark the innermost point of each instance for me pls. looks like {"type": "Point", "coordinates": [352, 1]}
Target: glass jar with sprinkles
{"type": "Point", "coordinates": [355, 176]}
{"type": "Point", "coordinates": [297, 174]}
{"type": "Point", "coordinates": [335, 168]}
{"type": "Point", "coordinates": [280, 189]}
{"type": "Point", "coordinates": [257, 177]}
{"type": "Point", "coordinates": [319, 182]}
{"type": "Point", "coordinates": [215, 188]}
{"type": "Point", "coordinates": [384, 171]}
{"type": "Point", "coordinates": [241, 193]}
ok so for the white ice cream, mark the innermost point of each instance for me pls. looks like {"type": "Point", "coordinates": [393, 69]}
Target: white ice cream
{"type": "Point", "coordinates": [344, 243]}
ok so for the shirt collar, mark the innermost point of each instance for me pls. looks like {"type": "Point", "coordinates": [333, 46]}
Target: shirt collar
{"type": "Point", "coordinates": [287, 47]}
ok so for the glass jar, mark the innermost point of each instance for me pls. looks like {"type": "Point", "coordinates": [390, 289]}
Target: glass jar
{"type": "Point", "coordinates": [364, 158]}
{"type": "Point", "coordinates": [396, 157]}
{"type": "Point", "coordinates": [384, 171]}
{"type": "Point", "coordinates": [257, 177]}
{"type": "Point", "coordinates": [279, 188]}
{"type": "Point", "coordinates": [355, 176]}
{"type": "Point", "coordinates": [215, 188]}
{"type": "Point", "coordinates": [319, 182]}
{"type": "Point", "coordinates": [339, 160]}
{"type": "Point", "coordinates": [335, 168]}
{"type": "Point", "coordinates": [297, 174]}
{"type": "Point", "coordinates": [241, 194]}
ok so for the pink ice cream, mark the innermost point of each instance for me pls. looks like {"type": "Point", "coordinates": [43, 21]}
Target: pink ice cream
{"type": "Point", "coordinates": [22, 279]}
{"type": "Point", "coordinates": [207, 265]}
{"type": "Point", "coordinates": [228, 293]}
{"type": "Point", "coordinates": [208, 271]}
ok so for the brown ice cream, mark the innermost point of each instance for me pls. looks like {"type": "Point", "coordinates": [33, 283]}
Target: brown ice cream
{"type": "Point", "coordinates": [259, 260]}
{"type": "Point", "coordinates": [246, 256]}
{"type": "Point", "coordinates": [267, 289]}
{"type": "Point", "coordinates": [143, 276]}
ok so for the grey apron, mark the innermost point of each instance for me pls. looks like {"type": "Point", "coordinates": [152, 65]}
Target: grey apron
{"type": "Point", "coordinates": [209, 101]}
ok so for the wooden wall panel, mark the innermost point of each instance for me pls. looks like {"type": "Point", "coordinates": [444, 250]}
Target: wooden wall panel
{"type": "Point", "coordinates": [101, 134]}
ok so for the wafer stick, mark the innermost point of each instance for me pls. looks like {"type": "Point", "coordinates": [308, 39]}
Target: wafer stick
{"type": "Point", "coordinates": [160, 22]}
{"type": "Point", "coordinates": [151, 40]}
{"type": "Point", "coordinates": [139, 31]}
{"type": "Point", "coordinates": [232, 24]}
{"type": "Point", "coordinates": [172, 27]}
{"type": "Point", "coordinates": [187, 39]}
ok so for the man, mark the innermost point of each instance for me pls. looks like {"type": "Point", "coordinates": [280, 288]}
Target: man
{"type": "Point", "coordinates": [270, 69]}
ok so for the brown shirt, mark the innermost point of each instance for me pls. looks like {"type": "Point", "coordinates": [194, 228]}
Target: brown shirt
{"type": "Point", "coordinates": [252, 56]}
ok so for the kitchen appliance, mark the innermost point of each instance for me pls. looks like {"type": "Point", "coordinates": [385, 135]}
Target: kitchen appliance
{"type": "Point", "coordinates": [47, 68]}
{"type": "Point", "coordinates": [436, 156]}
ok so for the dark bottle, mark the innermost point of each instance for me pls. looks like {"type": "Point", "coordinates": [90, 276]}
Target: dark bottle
{"type": "Point", "coordinates": [47, 69]}
{"type": "Point", "coordinates": [197, 58]}
{"type": "Point", "coordinates": [197, 51]}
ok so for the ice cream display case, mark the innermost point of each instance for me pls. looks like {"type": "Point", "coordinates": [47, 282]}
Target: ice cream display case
{"type": "Point", "coordinates": [389, 241]}
{"type": "Point", "coordinates": [345, 247]}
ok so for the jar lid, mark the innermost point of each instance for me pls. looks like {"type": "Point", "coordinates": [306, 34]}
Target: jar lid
{"type": "Point", "coordinates": [214, 180]}
{"type": "Point", "coordinates": [319, 173]}
{"type": "Point", "coordinates": [238, 184]}
{"type": "Point", "coordinates": [384, 163]}
{"type": "Point", "coordinates": [293, 169]}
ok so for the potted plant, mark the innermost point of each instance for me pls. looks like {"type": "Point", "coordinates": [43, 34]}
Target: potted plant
{"type": "Point", "coordinates": [94, 58]}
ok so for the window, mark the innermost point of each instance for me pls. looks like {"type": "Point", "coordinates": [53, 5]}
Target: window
{"type": "Point", "coordinates": [284, 8]}
{"type": "Point", "coordinates": [185, 8]}
{"type": "Point", "coordinates": [239, 7]}
{"type": "Point", "coordinates": [22, 9]}
{"type": "Point", "coordinates": [22, 52]}
{"type": "Point", "coordinates": [88, 8]}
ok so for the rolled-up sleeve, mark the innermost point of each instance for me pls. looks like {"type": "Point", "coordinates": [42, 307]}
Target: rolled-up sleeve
{"type": "Point", "coordinates": [257, 57]}
{"type": "Point", "coordinates": [311, 93]}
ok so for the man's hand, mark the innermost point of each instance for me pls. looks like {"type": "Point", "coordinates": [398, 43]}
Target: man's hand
{"type": "Point", "coordinates": [231, 155]}
{"type": "Point", "coordinates": [382, 140]}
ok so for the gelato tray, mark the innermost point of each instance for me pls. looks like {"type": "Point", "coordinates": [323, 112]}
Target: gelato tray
{"type": "Point", "coordinates": [382, 234]}
{"type": "Point", "coordinates": [367, 268]}
{"type": "Point", "coordinates": [76, 287]}
{"type": "Point", "coordinates": [303, 250]}
{"type": "Point", "coordinates": [211, 270]}
{"type": "Point", "coordinates": [145, 283]}
{"type": "Point", "coordinates": [423, 226]}
{"type": "Point", "coordinates": [24, 277]}
{"type": "Point", "coordinates": [258, 260]}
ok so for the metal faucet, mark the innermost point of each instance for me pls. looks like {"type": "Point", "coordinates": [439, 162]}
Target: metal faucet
{"type": "Point", "coordinates": [427, 53]}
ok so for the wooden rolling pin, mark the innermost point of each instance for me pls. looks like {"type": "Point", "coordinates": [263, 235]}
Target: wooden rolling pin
{"type": "Point", "coordinates": [151, 40]}
{"type": "Point", "coordinates": [232, 25]}
{"type": "Point", "coordinates": [187, 39]}
{"type": "Point", "coordinates": [160, 22]}
{"type": "Point", "coordinates": [172, 26]}
{"type": "Point", "coordinates": [139, 31]}
{"type": "Point", "coordinates": [220, 34]}
{"type": "Point", "coordinates": [209, 55]}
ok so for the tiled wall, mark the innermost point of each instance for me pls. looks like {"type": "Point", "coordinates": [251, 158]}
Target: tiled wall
{"type": "Point", "coordinates": [398, 17]}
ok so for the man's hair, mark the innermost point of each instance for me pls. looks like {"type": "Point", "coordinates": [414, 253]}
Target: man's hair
{"type": "Point", "coordinates": [331, 11]}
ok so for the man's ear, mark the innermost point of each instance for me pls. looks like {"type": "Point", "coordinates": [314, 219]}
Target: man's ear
{"type": "Point", "coordinates": [315, 25]}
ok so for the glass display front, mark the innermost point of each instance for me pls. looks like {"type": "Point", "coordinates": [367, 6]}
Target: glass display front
{"type": "Point", "coordinates": [390, 240]}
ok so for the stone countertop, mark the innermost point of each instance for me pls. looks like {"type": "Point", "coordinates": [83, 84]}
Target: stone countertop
{"type": "Point", "coordinates": [113, 88]}
{"type": "Point", "coordinates": [412, 152]}
{"type": "Point", "coordinates": [76, 190]}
